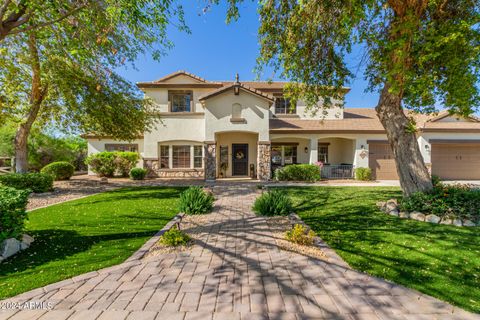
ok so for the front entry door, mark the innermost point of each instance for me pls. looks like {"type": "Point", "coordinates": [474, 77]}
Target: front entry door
{"type": "Point", "coordinates": [239, 159]}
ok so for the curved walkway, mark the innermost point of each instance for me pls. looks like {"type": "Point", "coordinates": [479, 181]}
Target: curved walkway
{"type": "Point", "coordinates": [235, 271]}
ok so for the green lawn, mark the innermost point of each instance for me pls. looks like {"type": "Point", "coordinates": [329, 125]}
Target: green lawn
{"type": "Point", "coordinates": [442, 261]}
{"type": "Point", "coordinates": [87, 234]}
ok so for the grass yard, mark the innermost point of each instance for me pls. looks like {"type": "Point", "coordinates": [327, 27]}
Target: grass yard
{"type": "Point", "coordinates": [442, 261]}
{"type": "Point", "coordinates": [87, 234]}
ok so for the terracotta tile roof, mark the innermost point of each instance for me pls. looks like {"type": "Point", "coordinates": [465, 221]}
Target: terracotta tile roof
{"type": "Point", "coordinates": [355, 120]}
{"type": "Point", "coordinates": [366, 120]}
{"type": "Point", "coordinates": [242, 86]}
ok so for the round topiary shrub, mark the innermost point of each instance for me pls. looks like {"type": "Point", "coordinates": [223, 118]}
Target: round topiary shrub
{"type": "Point", "coordinates": [273, 203]}
{"type": "Point", "coordinates": [60, 170]}
{"type": "Point", "coordinates": [195, 200]}
{"type": "Point", "coordinates": [138, 173]}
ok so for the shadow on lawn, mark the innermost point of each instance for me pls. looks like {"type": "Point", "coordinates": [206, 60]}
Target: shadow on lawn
{"type": "Point", "coordinates": [51, 245]}
{"type": "Point", "coordinates": [439, 260]}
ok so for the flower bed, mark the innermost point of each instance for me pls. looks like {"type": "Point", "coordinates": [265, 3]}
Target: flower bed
{"type": "Point", "coordinates": [446, 204]}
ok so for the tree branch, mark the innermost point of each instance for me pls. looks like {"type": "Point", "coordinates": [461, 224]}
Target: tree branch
{"type": "Point", "coordinates": [3, 8]}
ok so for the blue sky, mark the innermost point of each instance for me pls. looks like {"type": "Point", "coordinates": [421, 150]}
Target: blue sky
{"type": "Point", "coordinates": [216, 51]}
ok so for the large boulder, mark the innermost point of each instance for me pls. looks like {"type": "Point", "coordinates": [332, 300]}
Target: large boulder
{"type": "Point", "coordinates": [9, 247]}
{"type": "Point", "coordinates": [391, 205]}
{"type": "Point", "coordinates": [26, 241]}
{"type": "Point", "coordinates": [417, 216]}
{"type": "Point", "coordinates": [393, 212]}
{"type": "Point", "coordinates": [432, 218]}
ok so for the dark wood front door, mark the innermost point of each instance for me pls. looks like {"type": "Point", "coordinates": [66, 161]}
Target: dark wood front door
{"type": "Point", "coordinates": [239, 159]}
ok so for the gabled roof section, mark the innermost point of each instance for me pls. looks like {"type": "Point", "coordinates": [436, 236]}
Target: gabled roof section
{"type": "Point", "coordinates": [179, 73]}
{"type": "Point", "coordinates": [445, 113]}
{"type": "Point", "coordinates": [242, 87]}
{"type": "Point", "coordinates": [165, 82]}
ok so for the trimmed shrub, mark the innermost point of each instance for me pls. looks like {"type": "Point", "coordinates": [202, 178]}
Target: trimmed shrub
{"type": "Point", "coordinates": [102, 163]}
{"type": "Point", "coordinates": [107, 164]}
{"type": "Point", "coordinates": [138, 173]}
{"type": "Point", "coordinates": [300, 235]}
{"type": "Point", "coordinates": [273, 203]}
{"type": "Point", "coordinates": [195, 200]}
{"type": "Point", "coordinates": [446, 201]}
{"type": "Point", "coordinates": [298, 172]}
{"type": "Point", "coordinates": [13, 203]}
{"type": "Point", "coordinates": [125, 162]}
{"type": "Point", "coordinates": [175, 238]}
{"type": "Point", "coordinates": [36, 182]}
{"type": "Point", "coordinates": [60, 170]}
{"type": "Point", "coordinates": [363, 174]}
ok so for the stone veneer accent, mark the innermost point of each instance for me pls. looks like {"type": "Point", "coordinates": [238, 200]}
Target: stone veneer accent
{"type": "Point", "coordinates": [263, 160]}
{"type": "Point", "coordinates": [152, 165]}
{"type": "Point", "coordinates": [210, 160]}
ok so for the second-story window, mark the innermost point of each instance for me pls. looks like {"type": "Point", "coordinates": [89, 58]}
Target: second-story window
{"type": "Point", "coordinates": [284, 106]}
{"type": "Point", "coordinates": [180, 101]}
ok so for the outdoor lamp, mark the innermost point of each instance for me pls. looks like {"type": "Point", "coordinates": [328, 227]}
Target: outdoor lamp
{"type": "Point", "coordinates": [306, 149]}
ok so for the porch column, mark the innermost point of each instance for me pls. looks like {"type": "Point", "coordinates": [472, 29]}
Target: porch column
{"type": "Point", "coordinates": [210, 160]}
{"type": "Point", "coordinates": [313, 150]}
{"type": "Point", "coordinates": [264, 155]}
{"type": "Point", "coordinates": [361, 153]}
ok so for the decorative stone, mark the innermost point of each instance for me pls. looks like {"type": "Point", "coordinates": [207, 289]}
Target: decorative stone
{"type": "Point", "coordinates": [26, 241]}
{"type": "Point", "coordinates": [394, 213]}
{"type": "Point", "coordinates": [9, 247]}
{"type": "Point", "coordinates": [391, 205]}
{"type": "Point", "coordinates": [457, 222]}
{"type": "Point", "coordinates": [446, 221]}
{"type": "Point", "coordinates": [263, 161]}
{"type": "Point", "coordinates": [415, 215]}
{"type": "Point", "coordinates": [432, 218]}
{"type": "Point", "coordinates": [468, 223]}
{"type": "Point", "coordinates": [404, 215]}
{"type": "Point", "coordinates": [103, 180]}
{"type": "Point", "coordinates": [210, 161]}
{"type": "Point", "coordinates": [381, 205]}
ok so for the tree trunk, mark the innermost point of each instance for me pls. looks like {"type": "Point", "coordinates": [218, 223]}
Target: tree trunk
{"type": "Point", "coordinates": [411, 168]}
{"type": "Point", "coordinates": [37, 96]}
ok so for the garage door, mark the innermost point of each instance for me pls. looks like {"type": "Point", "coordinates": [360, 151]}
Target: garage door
{"type": "Point", "coordinates": [382, 161]}
{"type": "Point", "coordinates": [456, 161]}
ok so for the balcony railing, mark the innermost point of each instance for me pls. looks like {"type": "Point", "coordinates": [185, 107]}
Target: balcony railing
{"type": "Point", "coordinates": [337, 171]}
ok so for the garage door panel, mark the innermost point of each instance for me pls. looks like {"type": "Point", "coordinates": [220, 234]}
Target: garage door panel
{"type": "Point", "coordinates": [456, 161]}
{"type": "Point", "coordinates": [382, 162]}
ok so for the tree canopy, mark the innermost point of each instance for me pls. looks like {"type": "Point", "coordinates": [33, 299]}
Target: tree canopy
{"type": "Point", "coordinates": [75, 47]}
{"type": "Point", "coordinates": [428, 51]}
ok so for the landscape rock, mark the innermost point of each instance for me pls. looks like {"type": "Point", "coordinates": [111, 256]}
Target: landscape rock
{"type": "Point", "coordinates": [417, 216]}
{"type": "Point", "coordinates": [432, 218]}
{"type": "Point", "coordinates": [457, 222]}
{"type": "Point", "coordinates": [446, 221]}
{"type": "Point", "coordinates": [404, 215]}
{"type": "Point", "coordinates": [393, 213]}
{"type": "Point", "coordinates": [9, 247]}
{"type": "Point", "coordinates": [27, 239]}
{"type": "Point", "coordinates": [103, 180]}
{"type": "Point", "coordinates": [381, 205]}
{"type": "Point", "coordinates": [468, 223]}
{"type": "Point", "coordinates": [391, 205]}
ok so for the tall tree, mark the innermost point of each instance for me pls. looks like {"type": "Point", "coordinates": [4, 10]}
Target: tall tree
{"type": "Point", "coordinates": [418, 53]}
{"type": "Point", "coordinates": [63, 72]}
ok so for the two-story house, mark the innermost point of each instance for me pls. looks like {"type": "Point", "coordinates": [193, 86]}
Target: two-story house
{"type": "Point", "coordinates": [218, 129]}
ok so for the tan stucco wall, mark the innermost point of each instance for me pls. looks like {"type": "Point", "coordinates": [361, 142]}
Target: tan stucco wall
{"type": "Point", "coordinates": [233, 138]}
{"type": "Point", "coordinates": [186, 127]}
{"type": "Point", "coordinates": [218, 113]}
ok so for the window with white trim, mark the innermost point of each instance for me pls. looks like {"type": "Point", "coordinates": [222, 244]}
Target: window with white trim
{"type": "Point", "coordinates": [323, 152]}
{"type": "Point", "coordinates": [181, 157]}
{"type": "Point", "coordinates": [164, 157]}
{"type": "Point", "coordinates": [197, 156]}
{"type": "Point", "coordinates": [284, 106]}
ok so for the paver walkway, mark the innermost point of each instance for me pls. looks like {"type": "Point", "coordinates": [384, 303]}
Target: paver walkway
{"type": "Point", "coordinates": [235, 272]}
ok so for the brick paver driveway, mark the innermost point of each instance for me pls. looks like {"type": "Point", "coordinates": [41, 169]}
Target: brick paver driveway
{"type": "Point", "coordinates": [235, 272]}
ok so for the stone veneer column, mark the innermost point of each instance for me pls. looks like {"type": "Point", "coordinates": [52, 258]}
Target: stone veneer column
{"type": "Point", "coordinates": [264, 160]}
{"type": "Point", "coordinates": [210, 161]}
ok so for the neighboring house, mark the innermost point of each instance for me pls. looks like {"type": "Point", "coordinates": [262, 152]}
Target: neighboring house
{"type": "Point", "coordinates": [216, 129]}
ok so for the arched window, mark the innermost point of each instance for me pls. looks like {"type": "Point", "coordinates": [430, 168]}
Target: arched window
{"type": "Point", "coordinates": [236, 111]}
